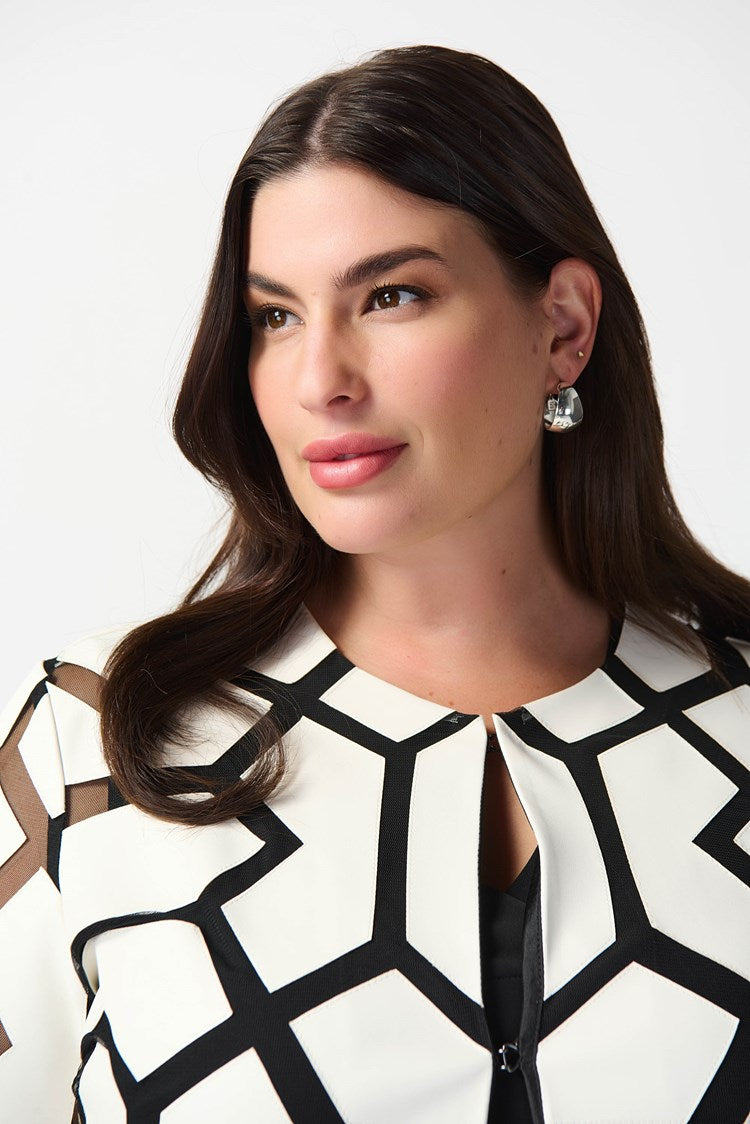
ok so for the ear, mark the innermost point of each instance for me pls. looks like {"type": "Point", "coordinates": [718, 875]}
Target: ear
{"type": "Point", "coordinates": [571, 304]}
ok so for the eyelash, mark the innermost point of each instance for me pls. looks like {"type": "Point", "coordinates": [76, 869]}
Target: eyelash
{"type": "Point", "coordinates": [257, 317]}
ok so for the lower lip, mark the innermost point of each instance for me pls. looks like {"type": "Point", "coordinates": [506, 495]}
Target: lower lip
{"type": "Point", "coordinates": [358, 470]}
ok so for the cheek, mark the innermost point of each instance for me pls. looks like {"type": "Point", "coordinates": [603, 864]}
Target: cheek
{"type": "Point", "coordinates": [268, 407]}
{"type": "Point", "coordinates": [456, 378]}
{"type": "Point", "coordinates": [480, 394]}
{"type": "Point", "coordinates": [443, 366]}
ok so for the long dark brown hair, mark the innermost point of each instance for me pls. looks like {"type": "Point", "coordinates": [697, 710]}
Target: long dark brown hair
{"type": "Point", "coordinates": [453, 127]}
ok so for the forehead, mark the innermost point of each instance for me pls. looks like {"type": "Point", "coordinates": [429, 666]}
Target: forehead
{"type": "Point", "coordinates": [334, 211]}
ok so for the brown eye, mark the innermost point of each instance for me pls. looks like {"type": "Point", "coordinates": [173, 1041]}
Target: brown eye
{"type": "Point", "coordinates": [274, 318]}
{"type": "Point", "coordinates": [388, 298]}
{"type": "Point", "coordinates": [271, 319]}
{"type": "Point", "coordinates": [394, 296]}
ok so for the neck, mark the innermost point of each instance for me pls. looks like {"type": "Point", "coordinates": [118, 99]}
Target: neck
{"type": "Point", "coordinates": [479, 592]}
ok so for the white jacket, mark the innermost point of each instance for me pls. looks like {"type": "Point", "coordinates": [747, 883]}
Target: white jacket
{"type": "Point", "coordinates": [319, 960]}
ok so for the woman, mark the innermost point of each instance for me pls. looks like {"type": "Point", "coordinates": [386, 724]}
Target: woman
{"type": "Point", "coordinates": [430, 802]}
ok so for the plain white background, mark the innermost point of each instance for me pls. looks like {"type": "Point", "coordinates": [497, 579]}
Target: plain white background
{"type": "Point", "coordinates": [123, 124]}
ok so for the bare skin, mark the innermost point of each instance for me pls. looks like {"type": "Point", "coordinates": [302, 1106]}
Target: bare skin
{"type": "Point", "coordinates": [450, 583]}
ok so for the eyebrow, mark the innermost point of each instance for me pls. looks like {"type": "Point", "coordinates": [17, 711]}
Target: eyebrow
{"type": "Point", "coordinates": [357, 273]}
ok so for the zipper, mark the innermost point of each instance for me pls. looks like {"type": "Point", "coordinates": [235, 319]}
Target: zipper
{"type": "Point", "coordinates": [521, 1052]}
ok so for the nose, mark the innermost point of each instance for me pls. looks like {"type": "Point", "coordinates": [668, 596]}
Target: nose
{"type": "Point", "coordinates": [331, 370]}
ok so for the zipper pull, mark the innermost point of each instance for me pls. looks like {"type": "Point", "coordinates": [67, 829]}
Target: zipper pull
{"type": "Point", "coordinates": [510, 1056]}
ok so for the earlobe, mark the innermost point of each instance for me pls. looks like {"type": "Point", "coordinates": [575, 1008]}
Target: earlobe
{"type": "Point", "coordinates": [572, 305]}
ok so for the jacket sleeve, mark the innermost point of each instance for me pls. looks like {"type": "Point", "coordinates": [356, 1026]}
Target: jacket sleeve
{"type": "Point", "coordinates": [42, 1003]}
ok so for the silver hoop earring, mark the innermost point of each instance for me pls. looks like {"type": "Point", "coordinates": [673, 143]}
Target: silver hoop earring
{"type": "Point", "coordinates": [563, 410]}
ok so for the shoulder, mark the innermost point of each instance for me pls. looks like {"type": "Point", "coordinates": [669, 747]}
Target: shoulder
{"type": "Point", "coordinates": [52, 768]}
{"type": "Point", "coordinates": [94, 649]}
{"type": "Point", "coordinates": [664, 661]}
{"type": "Point", "coordinates": [89, 652]}
{"type": "Point", "coordinates": [699, 697]}
{"type": "Point", "coordinates": [49, 727]}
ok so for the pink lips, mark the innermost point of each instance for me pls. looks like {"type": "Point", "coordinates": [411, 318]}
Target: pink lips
{"type": "Point", "coordinates": [347, 443]}
{"type": "Point", "coordinates": [368, 456]}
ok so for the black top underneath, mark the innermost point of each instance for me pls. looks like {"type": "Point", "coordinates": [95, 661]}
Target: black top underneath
{"type": "Point", "coordinates": [501, 914]}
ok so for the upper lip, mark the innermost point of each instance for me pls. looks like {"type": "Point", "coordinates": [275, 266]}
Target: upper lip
{"type": "Point", "coordinates": [328, 450]}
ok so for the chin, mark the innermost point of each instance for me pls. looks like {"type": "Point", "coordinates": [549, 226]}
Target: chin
{"type": "Point", "coordinates": [365, 524]}
{"type": "Point", "coordinates": [345, 542]}
{"type": "Point", "coordinates": [346, 537]}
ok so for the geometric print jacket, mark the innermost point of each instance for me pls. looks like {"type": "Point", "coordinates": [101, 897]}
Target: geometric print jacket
{"type": "Point", "coordinates": [318, 960]}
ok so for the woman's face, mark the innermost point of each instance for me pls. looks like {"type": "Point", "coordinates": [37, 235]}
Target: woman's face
{"type": "Point", "coordinates": [427, 351]}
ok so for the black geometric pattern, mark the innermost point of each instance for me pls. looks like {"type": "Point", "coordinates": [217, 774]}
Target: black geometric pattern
{"type": "Point", "coordinates": [260, 1019]}
{"type": "Point", "coordinates": [389, 1024]}
{"type": "Point", "coordinates": [728, 1095]}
